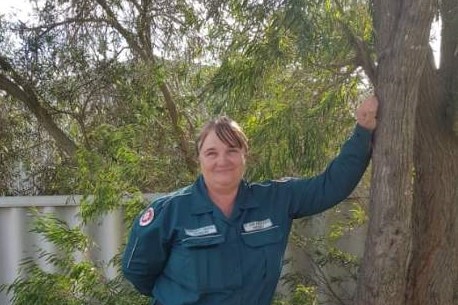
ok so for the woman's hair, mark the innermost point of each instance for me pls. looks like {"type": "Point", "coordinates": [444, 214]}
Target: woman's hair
{"type": "Point", "coordinates": [227, 130]}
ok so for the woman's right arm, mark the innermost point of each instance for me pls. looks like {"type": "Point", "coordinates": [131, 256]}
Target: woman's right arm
{"type": "Point", "coordinates": [147, 249]}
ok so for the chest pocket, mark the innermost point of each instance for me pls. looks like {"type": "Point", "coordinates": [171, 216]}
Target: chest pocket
{"type": "Point", "coordinates": [265, 248]}
{"type": "Point", "coordinates": [205, 264]}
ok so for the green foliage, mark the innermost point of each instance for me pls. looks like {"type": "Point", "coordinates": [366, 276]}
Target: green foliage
{"type": "Point", "coordinates": [57, 232]}
{"type": "Point", "coordinates": [104, 175]}
{"type": "Point", "coordinates": [302, 295]}
{"type": "Point", "coordinates": [75, 283]}
{"type": "Point", "coordinates": [357, 217]}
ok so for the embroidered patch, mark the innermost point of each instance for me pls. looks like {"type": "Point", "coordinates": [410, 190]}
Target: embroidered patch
{"type": "Point", "coordinates": [147, 217]}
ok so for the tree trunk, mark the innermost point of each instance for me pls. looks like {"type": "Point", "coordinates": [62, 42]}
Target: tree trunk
{"type": "Point", "coordinates": [433, 270]}
{"type": "Point", "coordinates": [402, 29]}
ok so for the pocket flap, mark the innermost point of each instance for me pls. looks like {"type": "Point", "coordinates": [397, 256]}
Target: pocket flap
{"type": "Point", "coordinates": [203, 241]}
{"type": "Point", "coordinates": [262, 237]}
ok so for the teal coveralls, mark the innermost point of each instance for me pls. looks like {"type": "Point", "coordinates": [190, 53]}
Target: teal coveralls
{"type": "Point", "coordinates": [183, 250]}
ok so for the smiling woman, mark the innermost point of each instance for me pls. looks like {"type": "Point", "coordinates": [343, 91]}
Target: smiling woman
{"type": "Point", "coordinates": [222, 148]}
{"type": "Point", "coordinates": [221, 240]}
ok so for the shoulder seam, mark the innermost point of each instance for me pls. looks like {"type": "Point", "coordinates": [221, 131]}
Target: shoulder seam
{"type": "Point", "coordinates": [168, 199]}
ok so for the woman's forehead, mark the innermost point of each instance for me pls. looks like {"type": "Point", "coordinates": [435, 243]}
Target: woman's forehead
{"type": "Point", "coordinates": [226, 131]}
{"type": "Point", "coordinates": [213, 141]}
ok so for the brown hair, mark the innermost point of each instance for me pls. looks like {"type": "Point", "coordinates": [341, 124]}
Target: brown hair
{"type": "Point", "coordinates": [227, 130]}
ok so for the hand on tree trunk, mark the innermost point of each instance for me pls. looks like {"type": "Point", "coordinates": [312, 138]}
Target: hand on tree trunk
{"type": "Point", "coordinates": [366, 114]}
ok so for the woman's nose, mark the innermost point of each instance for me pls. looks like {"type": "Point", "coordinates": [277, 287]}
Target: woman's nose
{"type": "Point", "coordinates": [222, 158]}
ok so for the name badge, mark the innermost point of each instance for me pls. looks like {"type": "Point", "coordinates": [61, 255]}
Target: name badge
{"type": "Point", "coordinates": [257, 225]}
{"type": "Point", "coordinates": [207, 230]}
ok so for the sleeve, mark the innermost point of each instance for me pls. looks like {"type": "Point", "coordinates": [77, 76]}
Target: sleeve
{"type": "Point", "coordinates": [147, 249]}
{"type": "Point", "coordinates": [319, 193]}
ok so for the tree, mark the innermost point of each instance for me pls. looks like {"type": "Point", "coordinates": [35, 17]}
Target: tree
{"type": "Point", "coordinates": [82, 65]}
{"type": "Point", "coordinates": [410, 255]}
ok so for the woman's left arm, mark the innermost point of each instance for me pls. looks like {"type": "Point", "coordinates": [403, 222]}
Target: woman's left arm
{"type": "Point", "coordinates": [314, 195]}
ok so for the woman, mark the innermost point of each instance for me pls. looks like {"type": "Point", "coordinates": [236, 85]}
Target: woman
{"type": "Point", "coordinates": [221, 240]}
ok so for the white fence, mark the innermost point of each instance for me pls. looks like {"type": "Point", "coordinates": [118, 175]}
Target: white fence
{"type": "Point", "coordinates": [17, 242]}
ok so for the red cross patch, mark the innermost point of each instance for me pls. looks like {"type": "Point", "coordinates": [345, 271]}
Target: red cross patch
{"type": "Point", "coordinates": [147, 217]}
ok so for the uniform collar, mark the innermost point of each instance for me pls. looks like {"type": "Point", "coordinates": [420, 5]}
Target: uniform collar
{"type": "Point", "coordinates": [203, 204]}
{"type": "Point", "coordinates": [245, 198]}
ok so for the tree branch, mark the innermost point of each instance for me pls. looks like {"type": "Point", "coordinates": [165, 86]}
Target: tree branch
{"type": "Point", "coordinates": [17, 87]}
{"type": "Point", "coordinates": [363, 54]}
{"type": "Point", "coordinates": [128, 36]}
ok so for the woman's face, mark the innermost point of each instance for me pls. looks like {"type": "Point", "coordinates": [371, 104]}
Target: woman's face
{"type": "Point", "coordinates": [222, 166]}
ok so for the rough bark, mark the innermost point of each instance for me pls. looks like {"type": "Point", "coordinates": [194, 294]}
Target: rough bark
{"type": "Point", "coordinates": [402, 29]}
{"type": "Point", "coordinates": [432, 270]}
{"type": "Point", "coordinates": [433, 275]}
{"type": "Point", "coordinates": [449, 59]}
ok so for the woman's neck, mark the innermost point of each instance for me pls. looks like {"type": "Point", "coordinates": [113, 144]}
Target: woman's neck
{"type": "Point", "coordinates": [225, 201]}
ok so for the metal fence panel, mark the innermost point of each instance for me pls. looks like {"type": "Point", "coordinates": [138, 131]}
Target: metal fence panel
{"type": "Point", "coordinates": [18, 243]}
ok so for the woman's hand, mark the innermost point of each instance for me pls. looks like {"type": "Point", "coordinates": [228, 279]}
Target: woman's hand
{"type": "Point", "coordinates": [366, 114]}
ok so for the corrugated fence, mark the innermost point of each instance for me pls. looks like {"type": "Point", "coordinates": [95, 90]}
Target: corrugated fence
{"type": "Point", "coordinates": [18, 243]}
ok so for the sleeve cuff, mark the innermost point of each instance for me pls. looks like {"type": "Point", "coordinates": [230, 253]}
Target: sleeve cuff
{"type": "Point", "coordinates": [361, 131]}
